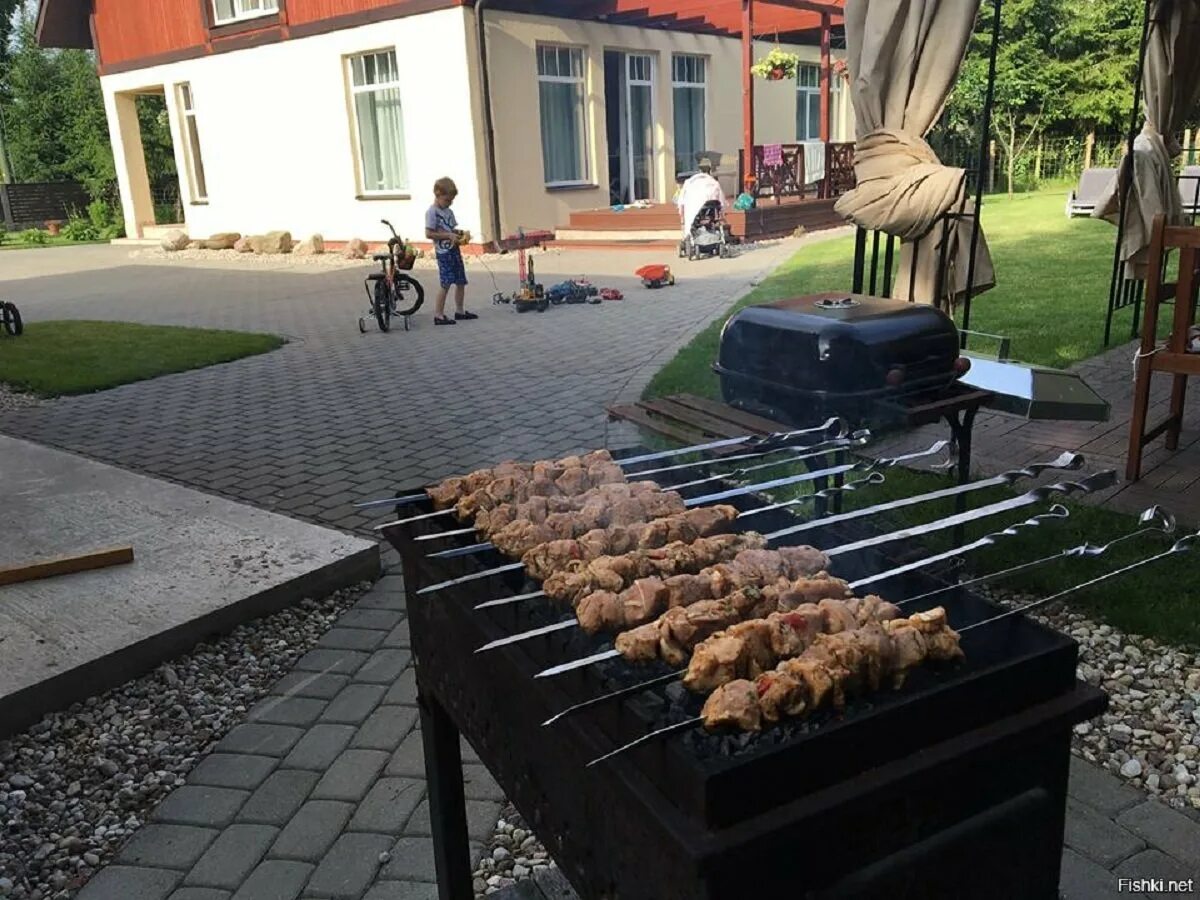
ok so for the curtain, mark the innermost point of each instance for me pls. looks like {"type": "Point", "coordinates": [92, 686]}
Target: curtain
{"type": "Point", "coordinates": [562, 130]}
{"type": "Point", "coordinates": [689, 127]}
{"type": "Point", "coordinates": [381, 136]}
{"type": "Point", "coordinates": [1171, 79]}
{"type": "Point", "coordinates": [904, 57]}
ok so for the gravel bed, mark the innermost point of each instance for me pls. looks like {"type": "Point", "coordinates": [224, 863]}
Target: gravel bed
{"type": "Point", "coordinates": [79, 782]}
{"type": "Point", "coordinates": [12, 399]}
{"type": "Point", "coordinates": [1150, 736]}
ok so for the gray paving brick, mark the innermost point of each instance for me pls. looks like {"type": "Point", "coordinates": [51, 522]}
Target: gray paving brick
{"type": "Point", "coordinates": [376, 619]}
{"type": "Point", "coordinates": [1098, 837]}
{"type": "Point", "coordinates": [312, 830]}
{"type": "Point", "coordinates": [1164, 829]}
{"type": "Point", "coordinates": [124, 882]}
{"type": "Point", "coordinates": [210, 807]}
{"type": "Point", "coordinates": [478, 784]}
{"type": "Point", "coordinates": [349, 867]}
{"type": "Point", "coordinates": [340, 638]}
{"type": "Point", "coordinates": [1092, 785]}
{"type": "Point", "coordinates": [200, 893]}
{"type": "Point", "coordinates": [338, 662]}
{"type": "Point", "coordinates": [409, 758]}
{"type": "Point", "coordinates": [402, 890]}
{"type": "Point", "coordinates": [389, 598]}
{"type": "Point", "coordinates": [166, 846]}
{"type": "Point", "coordinates": [275, 879]}
{"type": "Point", "coordinates": [404, 690]}
{"type": "Point", "coordinates": [320, 747]}
{"type": "Point", "coordinates": [278, 798]}
{"type": "Point", "coordinates": [386, 727]}
{"type": "Point", "coordinates": [353, 704]}
{"type": "Point", "coordinates": [384, 666]}
{"type": "Point", "coordinates": [351, 775]}
{"type": "Point", "coordinates": [262, 739]}
{"type": "Point", "coordinates": [283, 711]}
{"type": "Point", "coordinates": [234, 770]}
{"type": "Point", "coordinates": [1083, 879]}
{"type": "Point", "coordinates": [388, 805]}
{"type": "Point", "coordinates": [398, 636]}
{"type": "Point", "coordinates": [232, 856]}
{"type": "Point", "coordinates": [1154, 864]}
{"type": "Point", "coordinates": [412, 860]}
{"type": "Point", "coordinates": [482, 816]}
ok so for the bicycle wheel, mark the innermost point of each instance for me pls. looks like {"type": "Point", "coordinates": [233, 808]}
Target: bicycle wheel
{"type": "Point", "coordinates": [12, 319]}
{"type": "Point", "coordinates": [381, 306]}
{"type": "Point", "coordinates": [409, 295]}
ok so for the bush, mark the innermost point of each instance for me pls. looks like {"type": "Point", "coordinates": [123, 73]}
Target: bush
{"type": "Point", "coordinates": [3, 233]}
{"type": "Point", "coordinates": [33, 236]}
{"type": "Point", "coordinates": [106, 219]}
{"type": "Point", "coordinates": [79, 229]}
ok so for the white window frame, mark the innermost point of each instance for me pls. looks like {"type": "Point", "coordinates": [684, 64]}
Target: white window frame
{"type": "Point", "coordinates": [186, 99]}
{"type": "Point", "coordinates": [359, 173]}
{"type": "Point", "coordinates": [581, 80]}
{"type": "Point", "coordinates": [701, 85]}
{"type": "Point", "coordinates": [242, 11]}
{"type": "Point", "coordinates": [812, 93]}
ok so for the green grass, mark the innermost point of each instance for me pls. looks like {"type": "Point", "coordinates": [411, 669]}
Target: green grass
{"type": "Point", "coordinates": [11, 243]}
{"type": "Point", "coordinates": [1052, 279]}
{"type": "Point", "coordinates": [77, 357]}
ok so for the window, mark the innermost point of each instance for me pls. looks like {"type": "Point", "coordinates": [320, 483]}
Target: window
{"type": "Point", "coordinates": [226, 11]}
{"type": "Point", "coordinates": [808, 101]}
{"type": "Point", "coordinates": [191, 145]}
{"type": "Point", "coordinates": [688, 96]}
{"type": "Point", "coordinates": [564, 130]}
{"type": "Point", "coordinates": [379, 122]}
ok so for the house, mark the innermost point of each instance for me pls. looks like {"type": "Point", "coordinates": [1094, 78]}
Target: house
{"type": "Point", "coordinates": [330, 115]}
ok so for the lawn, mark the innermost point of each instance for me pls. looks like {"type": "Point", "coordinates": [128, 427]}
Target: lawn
{"type": "Point", "coordinates": [77, 357]}
{"type": "Point", "coordinates": [1052, 277]}
{"type": "Point", "coordinates": [1053, 280]}
{"type": "Point", "coordinates": [11, 243]}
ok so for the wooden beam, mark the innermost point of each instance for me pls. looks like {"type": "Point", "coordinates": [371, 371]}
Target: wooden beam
{"type": "Point", "coordinates": [826, 76]}
{"type": "Point", "coordinates": [747, 87]}
{"type": "Point", "coordinates": [65, 565]}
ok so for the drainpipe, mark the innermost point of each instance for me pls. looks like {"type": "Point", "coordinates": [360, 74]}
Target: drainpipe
{"type": "Point", "coordinates": [489, 135]}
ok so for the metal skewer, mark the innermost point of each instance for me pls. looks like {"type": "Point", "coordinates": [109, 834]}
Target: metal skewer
{"type": "Point", "coordinates": [834, 427]}
{"type": "Point", "coordinates": [1182, 545]}
{"type": "Point", "coordinates": [1056, 511]}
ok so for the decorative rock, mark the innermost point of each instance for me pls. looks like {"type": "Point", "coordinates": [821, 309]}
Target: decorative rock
{"type": "Point", "coordinates": [175, 240]}
{"type": "Point", "coordinates": [242, 245]}
{"type": "Point", "coordinates": [1131, 769]}
{"type": "Point", "coordinates": [356, 248]}
{"type": "Point", "coordinates": [224, 240]}
{"type": "Point", "coordinates": [500, 853]}
{"type": "Point", "coordinates": [314, 246]}
{"type": "Point", "coordinates": [272, 243]}
{"type": "Point", "coordinates": [20, 781]}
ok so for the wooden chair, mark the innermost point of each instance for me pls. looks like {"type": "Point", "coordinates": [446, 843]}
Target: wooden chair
{"type": "Point", "coordinates": [1172, 357]}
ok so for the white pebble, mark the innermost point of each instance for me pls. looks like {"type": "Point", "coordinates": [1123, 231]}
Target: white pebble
{"type": "Point", "coordinates": [1131, 769]}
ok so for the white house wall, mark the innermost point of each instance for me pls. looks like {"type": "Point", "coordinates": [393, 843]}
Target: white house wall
{"type": "Point", "coordinates": [512, 42]}
{"type": "Point", "coordinates": [276, 131]}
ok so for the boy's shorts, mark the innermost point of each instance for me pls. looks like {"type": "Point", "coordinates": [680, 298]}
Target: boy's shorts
{"type": "Point", "coordinates": [450, 268]}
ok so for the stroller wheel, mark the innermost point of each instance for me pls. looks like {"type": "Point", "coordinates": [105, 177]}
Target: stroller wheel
{"type": "Point", "coordinates": [682, 249]}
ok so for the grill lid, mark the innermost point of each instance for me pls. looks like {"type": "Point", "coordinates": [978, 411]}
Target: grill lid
{"type": "Point", "coordinates": [1035, 392]}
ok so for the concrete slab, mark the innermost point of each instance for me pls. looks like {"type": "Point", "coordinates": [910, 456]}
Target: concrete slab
{"type": "Point", "coordinates": [202, 565]}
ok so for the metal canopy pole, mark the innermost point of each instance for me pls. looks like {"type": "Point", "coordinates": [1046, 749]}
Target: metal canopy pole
{"type": "Point", "coordinates": [1116, 285]}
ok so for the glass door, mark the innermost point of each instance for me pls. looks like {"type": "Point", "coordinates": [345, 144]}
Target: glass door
{"type": "Point", "coordinates": [639, 109]}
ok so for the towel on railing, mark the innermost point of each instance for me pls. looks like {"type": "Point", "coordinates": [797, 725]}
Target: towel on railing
{"type": "Point", "coordinates": [772, 155]}
{"type": "Point", "coordinates": [814, 161]}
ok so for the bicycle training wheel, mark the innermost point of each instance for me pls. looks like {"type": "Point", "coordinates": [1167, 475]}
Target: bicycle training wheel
{"type": "Point", "coordinates": [11, 317]}
{"type": "Point", "coordinates": [409, 295]}
{"type": "Point", "coordinates": [381, 307]}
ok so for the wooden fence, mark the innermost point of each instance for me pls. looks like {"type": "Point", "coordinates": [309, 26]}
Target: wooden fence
{"type": "Point", "coordinates": [32, 205]}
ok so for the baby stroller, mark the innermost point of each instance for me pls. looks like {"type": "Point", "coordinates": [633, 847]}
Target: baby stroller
{"type": "Point", "coordinates": [708, 235]}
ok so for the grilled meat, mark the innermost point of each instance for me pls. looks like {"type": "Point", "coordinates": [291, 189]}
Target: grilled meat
{"type": "Point", "coordinates": [517, 537]}
{"type": "Point", "coordinates": [648, 597]}
{"type": "Point", "coordinates": [543, 560]}
{"type": "Point", "coordinates": [537, 509]}
{"type": "Point", "coordinates": [513, 488]}
{"type": "Point", "coordinates": [834, 667]}
{"type": "Point", "coordinates": [446, 493]}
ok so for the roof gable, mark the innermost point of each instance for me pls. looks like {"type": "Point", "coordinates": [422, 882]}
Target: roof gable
{"type": "Point", "coordinates": [64, 23]}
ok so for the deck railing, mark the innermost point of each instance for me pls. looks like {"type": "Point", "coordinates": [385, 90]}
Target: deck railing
{"type": "Point", "coordinates": [790, 178]}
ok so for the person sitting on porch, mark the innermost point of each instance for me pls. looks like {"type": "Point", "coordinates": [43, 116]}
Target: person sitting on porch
{"type": "Point", "coordinates": [701, 188]}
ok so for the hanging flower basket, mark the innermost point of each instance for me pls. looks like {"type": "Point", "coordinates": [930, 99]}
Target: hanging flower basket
{"type": "Point", "coordinates": [776, 66]}
{"type": "Point", "coordinates": [841, 69]}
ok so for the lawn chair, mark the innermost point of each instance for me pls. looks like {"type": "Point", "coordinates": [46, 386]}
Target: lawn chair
{"type": "Point", "coordinates": [1189, 190]}
{"type": "Point", "coordinates": [1092, 184]}
{"type": "Point", "coordinates": [1173, 357]}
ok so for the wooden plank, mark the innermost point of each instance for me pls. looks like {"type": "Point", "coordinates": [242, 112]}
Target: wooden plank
{"type": "Point", "coordinates": [749, 422]}
{"type": "Point", "coordinates": [65, 565]}
{"type": "Point", "coordinates": [643, 419]}
{"type": "Point", "coordinates": [692, 418]}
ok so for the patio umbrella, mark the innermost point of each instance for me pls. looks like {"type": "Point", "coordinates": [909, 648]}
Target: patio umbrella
{"type": "Point", "coordinates": [904, 57]}
{"type": "Point", "coordinates": [1171, 76]}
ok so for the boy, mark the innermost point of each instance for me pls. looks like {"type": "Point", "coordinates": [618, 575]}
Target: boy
{"type": "Point", "coordinates": [442, 228]}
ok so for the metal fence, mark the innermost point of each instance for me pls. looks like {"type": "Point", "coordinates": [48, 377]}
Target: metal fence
{"type": "Point", "coordinates": [1042, 162]}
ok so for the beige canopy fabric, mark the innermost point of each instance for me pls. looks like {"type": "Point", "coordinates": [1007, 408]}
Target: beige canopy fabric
{"type": "Point", "coordinates": [1171, 79]}
{"type": "Point", "coordinates": [904, 57]}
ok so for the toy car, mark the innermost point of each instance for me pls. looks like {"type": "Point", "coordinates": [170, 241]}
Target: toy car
{"type": "Point", "coordinates": [557, 293]}
{"type": "Point", "coordinates": [611, 294]}
{"type": "Point", "coordinates": [655, 276]}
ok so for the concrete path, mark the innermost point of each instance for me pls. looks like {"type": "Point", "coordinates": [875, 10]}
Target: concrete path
{"type": "Point", "coordinates": [324, 781]}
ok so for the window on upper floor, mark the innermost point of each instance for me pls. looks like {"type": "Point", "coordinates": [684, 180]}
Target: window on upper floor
{"type": "Point", "coordinates": [226, 11]}
{"type": "Point", "coordinates": [191, 144]}
{"type": "Point", "coordinates": [378, 122]}
{"type": "Point", "coordinates": [563, 124]}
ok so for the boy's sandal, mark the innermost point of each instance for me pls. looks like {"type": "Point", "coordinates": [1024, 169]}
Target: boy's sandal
{"type": "Point", "coordinates": [465, 315]}
{"type": "Point", "coordinates": [442, 320]}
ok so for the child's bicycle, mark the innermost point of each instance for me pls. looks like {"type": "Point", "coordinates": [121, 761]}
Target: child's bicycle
{"type": "Point", "coordinates": [10, 318]}
{"type": "Point", "coordinates": [390, 291]}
